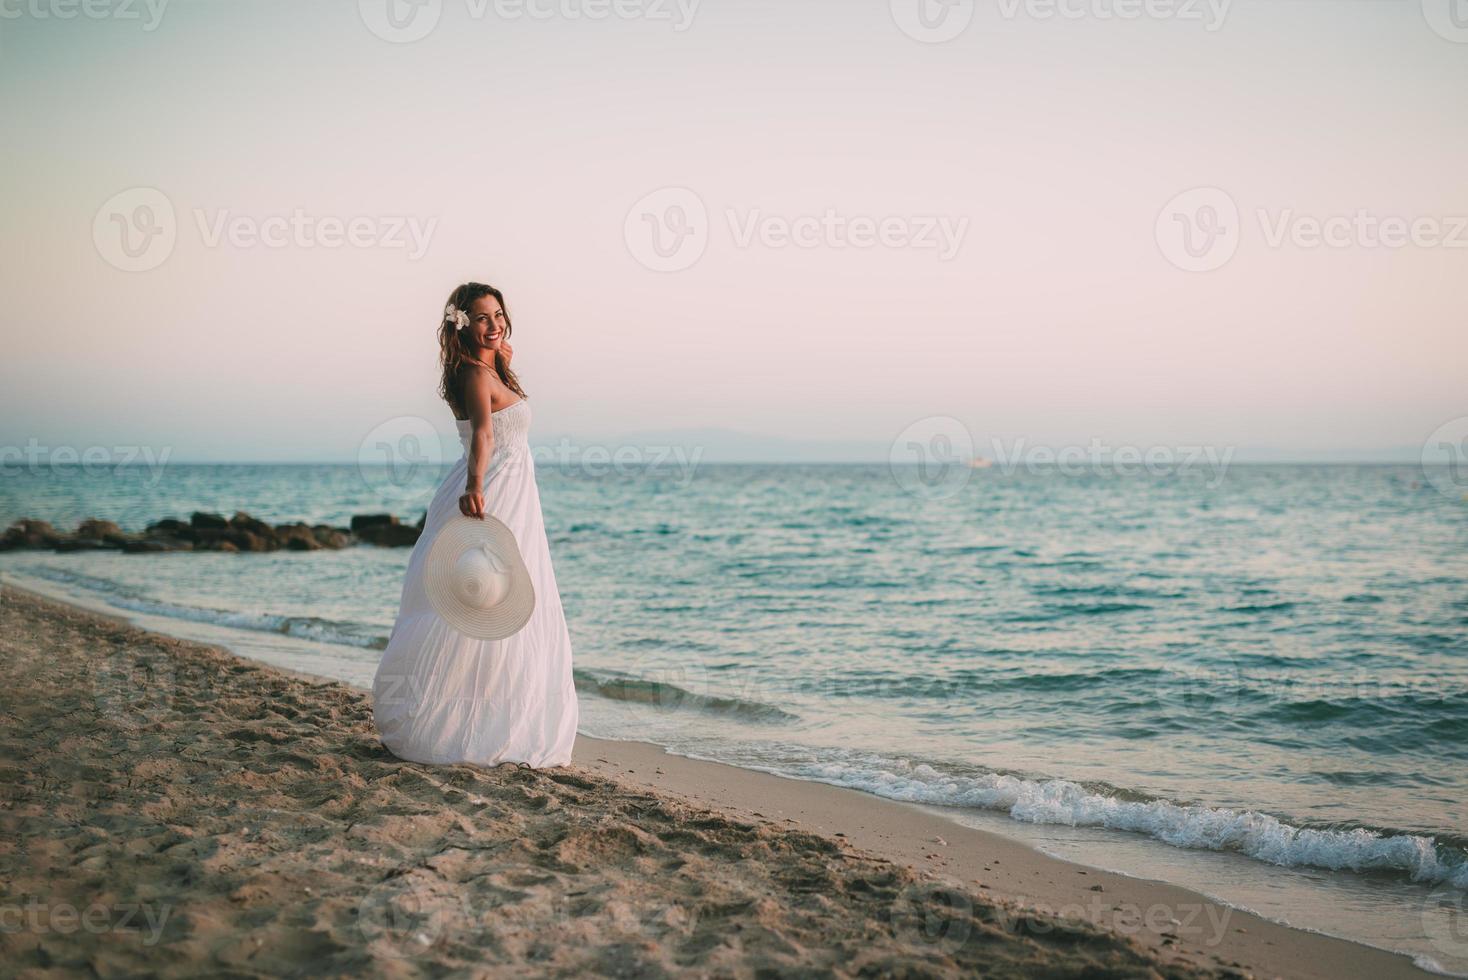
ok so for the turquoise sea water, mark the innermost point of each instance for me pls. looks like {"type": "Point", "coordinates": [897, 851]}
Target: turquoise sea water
{"type": "Point", "coordinates": [1262, 678]}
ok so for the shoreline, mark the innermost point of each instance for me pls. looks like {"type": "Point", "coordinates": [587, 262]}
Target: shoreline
{"type": "Point", "coordinates": [1179, 926]}
{"type": "Point", "coordinates": [908, 833]}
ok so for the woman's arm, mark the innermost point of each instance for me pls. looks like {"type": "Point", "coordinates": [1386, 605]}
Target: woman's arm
{"type": "Point", "coordinates": [481, 443]}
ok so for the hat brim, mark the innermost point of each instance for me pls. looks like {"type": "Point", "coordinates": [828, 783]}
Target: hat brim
{"type": "Point", "coordinates": [505, 618]}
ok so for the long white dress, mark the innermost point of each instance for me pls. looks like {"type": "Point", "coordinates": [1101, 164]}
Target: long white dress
{"type": "Point", "coordinates": [442, 697]}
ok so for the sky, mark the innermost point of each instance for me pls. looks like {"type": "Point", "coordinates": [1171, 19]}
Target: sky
{"type": "Point", "coordinates": [230, 227]}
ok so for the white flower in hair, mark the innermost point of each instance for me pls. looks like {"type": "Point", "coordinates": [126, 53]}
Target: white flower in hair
{"type": "Point", "coordinates": [452, 314]}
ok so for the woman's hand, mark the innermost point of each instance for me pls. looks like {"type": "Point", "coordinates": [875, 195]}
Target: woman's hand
{"type": "Point", "coordinates": [471, 504]}
{"type": "Point", "coordinates": [509, 351]}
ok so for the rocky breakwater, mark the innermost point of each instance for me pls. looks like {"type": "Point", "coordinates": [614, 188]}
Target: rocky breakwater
{"type": "Point", "coordinates": [212, 532]}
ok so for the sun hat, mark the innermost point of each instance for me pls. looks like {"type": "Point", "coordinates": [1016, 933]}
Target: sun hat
{"type": "Point", "coordinates": [475, 577]}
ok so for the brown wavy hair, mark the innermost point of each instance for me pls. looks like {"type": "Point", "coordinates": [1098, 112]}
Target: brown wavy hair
{"type": "Point", "coordinates": [453, 356]}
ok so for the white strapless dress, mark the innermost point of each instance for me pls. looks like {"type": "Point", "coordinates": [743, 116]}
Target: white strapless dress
{"type": "Point", "coordinates": [442, 697]}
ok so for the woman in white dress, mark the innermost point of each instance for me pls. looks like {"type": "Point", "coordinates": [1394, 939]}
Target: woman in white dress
{"type": "Point", "coordinates": [440, 696]}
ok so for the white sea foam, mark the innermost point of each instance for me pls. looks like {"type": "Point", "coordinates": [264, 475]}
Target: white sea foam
{"type": "Point", "coordinates": [1431, 965]}
{"type": "Point", "coordinates": [1059, 801]}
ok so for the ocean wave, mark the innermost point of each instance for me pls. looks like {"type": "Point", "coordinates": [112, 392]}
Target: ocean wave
{"type": "Point", "coordinates": [301, 627]}
{"type": "Point", "coordinates": [1257, 607]}
{"type": "Point", "coordinates": [627, 687]}
{"type": "Point", "coordinates": [1062, 610]}
{"type": "Point", "coordinates": [1257, 835]}
{"type": "Point", "coordinates": [990, 681]}
{"type": "Point", "coordinates": [1444, 712]}
{"type": "Point", "coordinates": [1118, 592]}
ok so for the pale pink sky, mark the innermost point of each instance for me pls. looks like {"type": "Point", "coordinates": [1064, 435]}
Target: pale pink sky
{"type": "Point", "coordinates": [524, 144]}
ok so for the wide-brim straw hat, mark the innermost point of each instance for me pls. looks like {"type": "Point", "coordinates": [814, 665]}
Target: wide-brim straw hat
{"type": "Point", "coordinates": [475, 577]}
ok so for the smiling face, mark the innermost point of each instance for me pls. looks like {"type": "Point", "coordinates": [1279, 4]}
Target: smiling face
{"type": "Point", "coordinates": [487, 323]}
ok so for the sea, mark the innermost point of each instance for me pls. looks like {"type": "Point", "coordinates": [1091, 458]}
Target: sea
{"type": "Point", "coordinates": [1253, 683]}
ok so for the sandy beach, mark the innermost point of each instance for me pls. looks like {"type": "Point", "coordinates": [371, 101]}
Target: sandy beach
{"type": "Point", "coordinates": [172, 809]}
{"type": "Point", "coordinates": [919, 488]}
